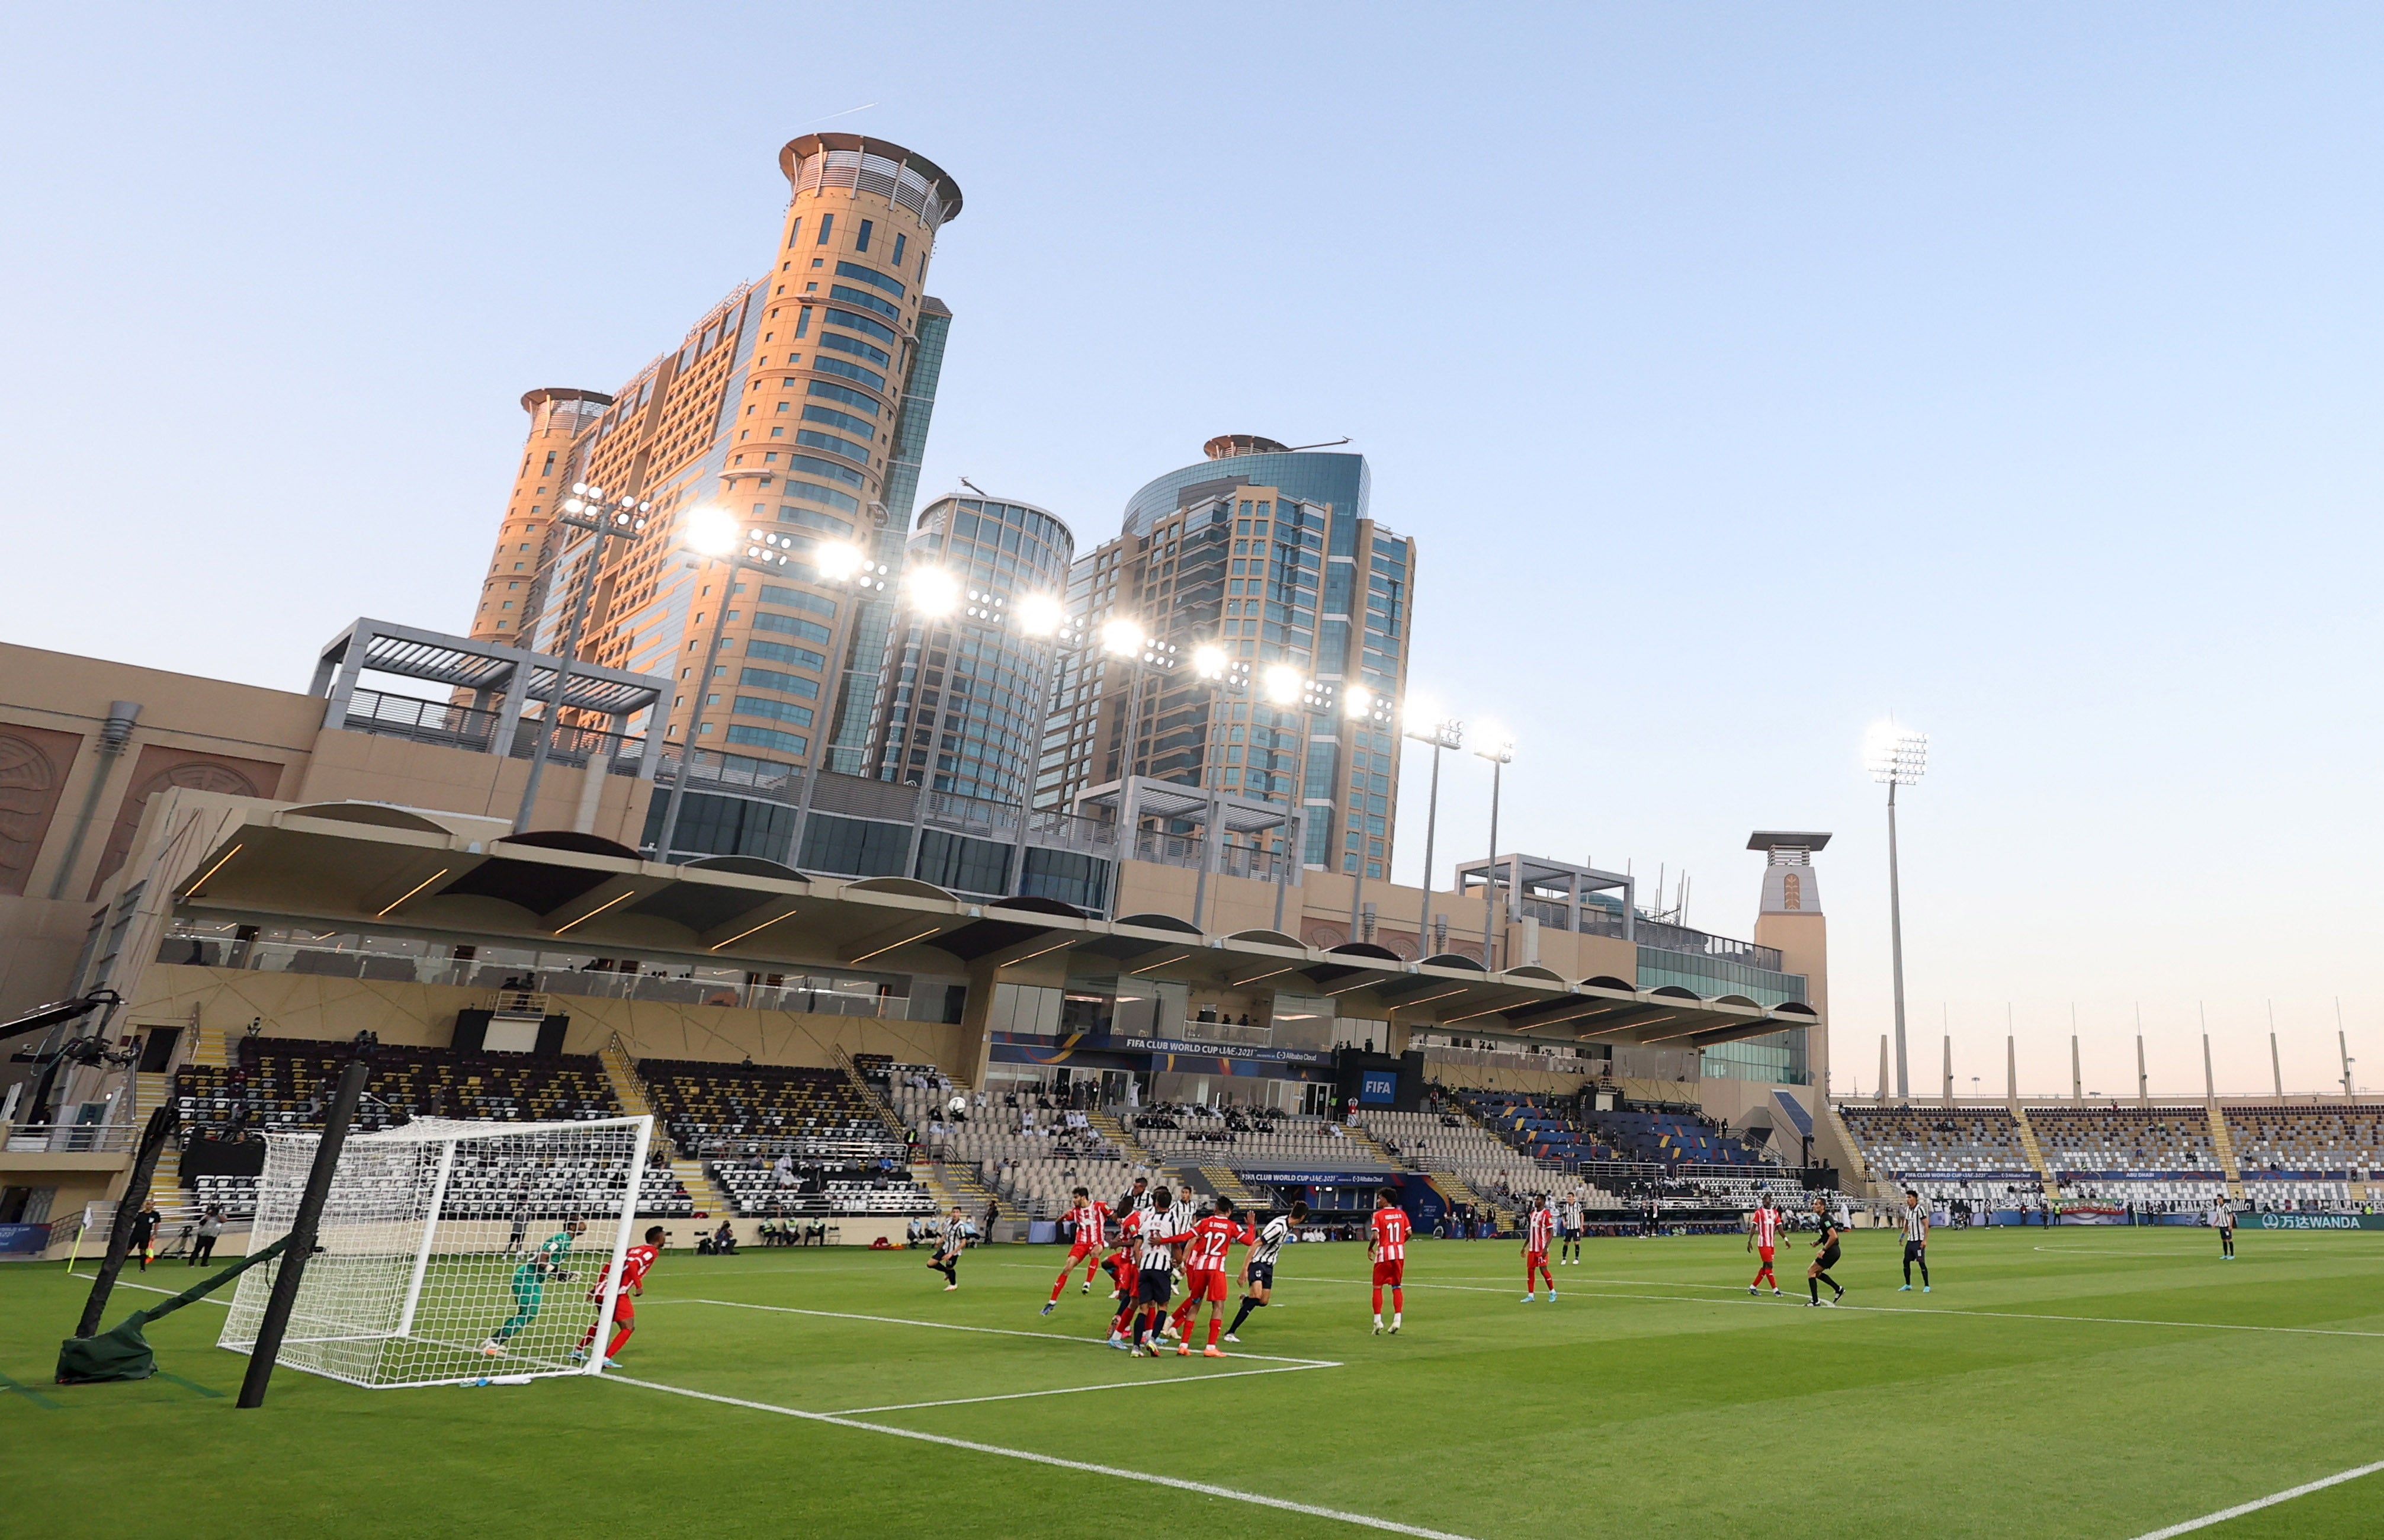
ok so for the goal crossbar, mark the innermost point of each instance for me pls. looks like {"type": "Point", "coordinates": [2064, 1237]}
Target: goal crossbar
{"type": "Point", "coordinates": [451, 1249]}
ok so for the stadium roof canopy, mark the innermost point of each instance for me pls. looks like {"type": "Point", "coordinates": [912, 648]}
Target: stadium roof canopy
{"type": "Point", "coordinates": [346, 867]}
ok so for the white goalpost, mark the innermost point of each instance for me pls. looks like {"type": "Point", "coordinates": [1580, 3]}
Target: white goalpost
{"type": "Point", "coordinates": [449, 1251]}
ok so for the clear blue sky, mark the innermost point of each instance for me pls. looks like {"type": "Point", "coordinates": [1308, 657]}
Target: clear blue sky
{"type": "Point", "coordinates": [1744, 372]}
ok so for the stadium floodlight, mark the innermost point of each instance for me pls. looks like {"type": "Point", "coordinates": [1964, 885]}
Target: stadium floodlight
{"type": "Point", "coordinates": [932, 591]}
{"type": "Point", "coordinates": [602, 516]}
{"type": "Point", "coordinates": [1367, 707]}
{"type": "Point", "coordinates": [711, 532]}
{"type": "Point", "coordinates": [1208, 661]}
{"type": "Point", "coordinates": [1895, 756]}
{"type": "Point", "coordinates": [442, 1239]}
{"type": "Point", "coordinates": [1038, 614]}
{"type": "Point", "coordinates": [1283, 684]}
{"type": "Point", "coordinates": [836, 560]}
{"type": "Point", "coordinates": [1441, 732]}
{"type": "Point", "coordinates": [1124, 637]}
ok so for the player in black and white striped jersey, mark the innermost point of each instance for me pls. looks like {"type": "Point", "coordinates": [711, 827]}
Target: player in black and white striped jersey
{"type": "Point", "coordinates": [1258, 1270]}
{"type": "Point", "coordinates": [1156, 1247]}
{"type": "Point", "coordinates": [1181, 1216]}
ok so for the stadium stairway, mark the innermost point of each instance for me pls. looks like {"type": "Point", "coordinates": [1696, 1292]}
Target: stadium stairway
{"type": "Point", "coordinates": [1117, 1133]}
{"type": "Point", "coordinates": [865, 1091]}
{"type": "Point", "coordinates": [1368, 1145]}
{"type": "Point", "coordinates": [1180, 1177]}
{"type": "Point", "coordinates": [1226, 1185]}
{"type": "Point", "coordinates": [2036, 1154]}
{"type": "Point", "coordinates": [210, 1045]}
{"type": "Point", "coordinates": [709, 1201]}
{"type": "Point", "coordinates": [951, 1183]}
{"type": "Point", "coordinates": [2223, 1144]}
{"type": "Point", "coordinates": [621, 1072]}
{"type": "Point", "coordinates": [1857, 1170]}
{"type": "Point", "coordinates": [629, 1089]}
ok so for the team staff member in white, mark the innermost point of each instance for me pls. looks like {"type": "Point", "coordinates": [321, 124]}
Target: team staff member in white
{"type": "Point", "coordinates": [1916, 1241]}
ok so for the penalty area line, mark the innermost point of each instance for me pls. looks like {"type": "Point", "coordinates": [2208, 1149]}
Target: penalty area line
{"type": "Point", "coordinates": [2271, 1500]}
{"type": "Point", "coordinates": [1912, 1310]}
{"type": "Point", "coordinates": [1146, 1477]}
{"type": "Point", "coordinates": [955, 1326]}
{"type": "Point", "coordinates": [1202, 1378]}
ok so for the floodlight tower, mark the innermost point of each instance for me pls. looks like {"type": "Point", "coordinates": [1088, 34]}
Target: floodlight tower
{"type": "Point", "coordinates": [1446, 732]}
{"type": "Point", "coordinates": [1896, 756]}
{"type": "Point", "coordinates": [1500, 750]}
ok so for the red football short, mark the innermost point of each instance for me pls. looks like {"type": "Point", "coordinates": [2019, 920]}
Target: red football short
{"type": "Point", "coordinates": [1208, 1283]}
{"type": "Point", "coordinates": [1764, 1252]}
{"type": "Point", "coordinates": [1390, 1273]}
{"type": "Point", "coordinates": [1082, 1249]}
{"type": "Point", "coordinates": [1535, 1258]}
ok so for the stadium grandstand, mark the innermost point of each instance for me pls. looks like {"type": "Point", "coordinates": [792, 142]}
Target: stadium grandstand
{"type": "Point", "coordinates": [2155, 1160]}
{"type": "Point", "coordinates": [783, 1140]}
{"type": "Point", "coordinates": [1970, 1154]}
{"type": "Point", "coordinates": [283, 1085]}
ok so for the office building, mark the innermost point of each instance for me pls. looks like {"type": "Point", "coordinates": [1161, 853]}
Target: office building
{"type": "Point", "coordinates": [800, 402]}
{"type": "Point", "coordinates": [964, 704]}
{"type": "Point", "coordinates": [1273, 556]}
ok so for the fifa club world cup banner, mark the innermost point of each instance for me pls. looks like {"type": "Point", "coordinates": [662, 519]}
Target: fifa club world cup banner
{"type": "Point", "coordinates": [2310, 1222]}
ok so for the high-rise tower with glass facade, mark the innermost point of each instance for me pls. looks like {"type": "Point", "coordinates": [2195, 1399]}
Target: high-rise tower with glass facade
{"type": "Point", "coordinates": [963, 706]}
{"type": "Point", "coordinates": [800, 402]}
{"type": "Point", "coordinates": [1273, 555]}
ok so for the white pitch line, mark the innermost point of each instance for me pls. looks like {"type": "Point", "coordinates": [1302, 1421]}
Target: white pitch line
{"type": "Point", "coordinates": [127, 1283]}
{"type": "Point", "coordinates": [1917, 1309]}
{"type": "Point", "coordinates": [1073, 1389]}
{"type": "Point", "coordinates": [1150, 1478]}
{"type": "Point", "coordinates": [2271, 1500]}
{"type": "Point", "coordinates": [988, 1330]}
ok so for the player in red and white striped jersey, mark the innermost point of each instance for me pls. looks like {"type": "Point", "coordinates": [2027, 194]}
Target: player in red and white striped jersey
{"type": "Point", "coordinates": [1386, 1248]}
{"type": "Point", "coordinates": [1204, 1272]}
{"type": "Point", "coordinates": [1539, 1229]}
{"type": "Point", "coordinates": [1762, 1235]}
{"type": "Point", "coordinates": [1129, 1275]}
{"type": "Point", "coordinates": [1088, 1219]}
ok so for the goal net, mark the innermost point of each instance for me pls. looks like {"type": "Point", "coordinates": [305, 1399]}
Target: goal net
{"type": "Point", "coordinates": [443, 1239]}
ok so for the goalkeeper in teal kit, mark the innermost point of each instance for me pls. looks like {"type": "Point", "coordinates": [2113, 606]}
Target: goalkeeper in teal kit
{"type": "Point", "coordinates": [530, 1280]}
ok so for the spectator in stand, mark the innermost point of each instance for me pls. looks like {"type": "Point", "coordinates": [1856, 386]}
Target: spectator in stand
{"type": "Point", "coordinates": [783, 1168]}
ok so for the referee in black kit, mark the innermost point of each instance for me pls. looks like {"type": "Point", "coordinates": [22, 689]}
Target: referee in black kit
{"type": "Point", "coordinates": [1827, 1244]}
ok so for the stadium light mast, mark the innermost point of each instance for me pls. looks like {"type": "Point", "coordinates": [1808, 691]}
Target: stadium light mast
{"type": "Point", "coordinates": [1444, 732]}
{"type": "Point", "coordinates": [1896, 756]}
{"type": "Point", "coordinates": [717, 536]}
{"type": "Point", "coordinates": [1500, 750]}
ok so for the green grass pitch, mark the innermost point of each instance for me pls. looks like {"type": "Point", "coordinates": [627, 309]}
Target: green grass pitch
{"type": "Point", "coordinates": [2097, 1384]}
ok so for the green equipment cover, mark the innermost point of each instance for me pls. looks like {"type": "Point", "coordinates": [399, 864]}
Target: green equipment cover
{"type": "Point", "coordinates": [123, 1353]}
